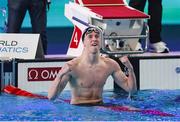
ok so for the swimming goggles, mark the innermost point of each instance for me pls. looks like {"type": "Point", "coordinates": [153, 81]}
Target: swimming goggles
{"type": "Point", "coordinates": [90, 30]}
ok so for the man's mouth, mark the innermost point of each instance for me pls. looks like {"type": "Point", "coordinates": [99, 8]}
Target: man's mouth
{"type": "Point", "coordinates": [94, 44]}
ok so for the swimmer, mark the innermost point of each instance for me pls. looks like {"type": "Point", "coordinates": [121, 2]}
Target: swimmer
{"type": "Point", "coordinates": [87, 74]}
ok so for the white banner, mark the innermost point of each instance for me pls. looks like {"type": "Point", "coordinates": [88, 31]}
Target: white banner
{"type": "Point", "coordinates": [160, 73]}
{"type": "Point", "coordinates": [22, 46]}
{"type": "Point", "coordinates": [37, 76]}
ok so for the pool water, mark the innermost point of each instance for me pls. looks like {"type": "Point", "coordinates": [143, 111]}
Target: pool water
{"type": "Point", "coordinates": [30, 109]}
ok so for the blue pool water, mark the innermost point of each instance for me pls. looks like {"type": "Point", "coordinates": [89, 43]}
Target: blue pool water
{"type": "Point", "coordinates": [30, 109]}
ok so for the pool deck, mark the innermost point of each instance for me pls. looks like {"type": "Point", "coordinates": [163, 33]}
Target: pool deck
{"type": "Point", "coordinates": [147, 54]}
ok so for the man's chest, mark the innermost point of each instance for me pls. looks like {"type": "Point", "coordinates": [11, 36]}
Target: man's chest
{"type": "Point", "coordinates": [89, 77]}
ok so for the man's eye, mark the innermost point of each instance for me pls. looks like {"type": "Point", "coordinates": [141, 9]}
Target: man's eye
{"type": "Point", "coordinates": [97, 36]}
{"type": "Point", "coordinates": [90, 36]}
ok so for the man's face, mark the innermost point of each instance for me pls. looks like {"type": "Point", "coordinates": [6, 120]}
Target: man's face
{"type": "Point", "coordinates": [92, 40]}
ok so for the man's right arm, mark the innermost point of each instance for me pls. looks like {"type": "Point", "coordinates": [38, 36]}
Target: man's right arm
{"type": "Point", "coordinates": [59, 83]}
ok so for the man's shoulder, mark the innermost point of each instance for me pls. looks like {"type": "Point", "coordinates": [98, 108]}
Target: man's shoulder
{"type": "Point", "coordinates": [112, 64]}
{"type": "Point", "coordinates": [108, 60]}
{"type": "Point", "coordinates": [73, 62]}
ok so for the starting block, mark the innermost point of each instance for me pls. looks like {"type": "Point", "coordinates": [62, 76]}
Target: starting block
{"type": "Point", "coordinates": [122, 25]}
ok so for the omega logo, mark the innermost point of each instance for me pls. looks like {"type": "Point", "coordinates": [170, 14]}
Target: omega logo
{"type": "Point", "coordinates": [42, 74]}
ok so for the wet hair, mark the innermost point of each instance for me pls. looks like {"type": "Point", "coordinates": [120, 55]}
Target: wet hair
{"type": "Point", "coordinates": [90, 30]}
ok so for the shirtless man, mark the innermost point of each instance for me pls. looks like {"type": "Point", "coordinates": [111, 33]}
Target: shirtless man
{"type": "Point", "coordinates": [88, 73]}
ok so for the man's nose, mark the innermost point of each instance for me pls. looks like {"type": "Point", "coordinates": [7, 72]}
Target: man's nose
{"type": "Point", "coordinates": [94, 38]}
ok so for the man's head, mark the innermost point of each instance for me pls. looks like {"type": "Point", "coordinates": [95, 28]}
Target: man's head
{"type": "Point", "coordinates": [90, 30]}
{"type": "Point", "coordinates": [91, 38]}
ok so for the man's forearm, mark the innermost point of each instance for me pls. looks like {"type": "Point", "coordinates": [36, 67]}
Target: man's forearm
{"type": "Point", "coordinates": [53, 90]}
{"type": "Point", "coordinates": [132, 80]}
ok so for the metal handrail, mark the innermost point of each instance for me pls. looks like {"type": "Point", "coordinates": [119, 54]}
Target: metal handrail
{"type": "Point", "coordinates": [119, 53]}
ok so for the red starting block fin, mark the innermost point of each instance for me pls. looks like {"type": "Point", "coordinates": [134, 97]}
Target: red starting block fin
{"type": "Point", "coordinates": [95, 2]}
{"type": "Point", "coordinates": [119, 12]}
{"type": "Point", "coordinates": [112, 9]}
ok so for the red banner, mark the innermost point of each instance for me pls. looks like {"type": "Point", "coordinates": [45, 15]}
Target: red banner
{"type": "Point", "coordinates": [42, 74]}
